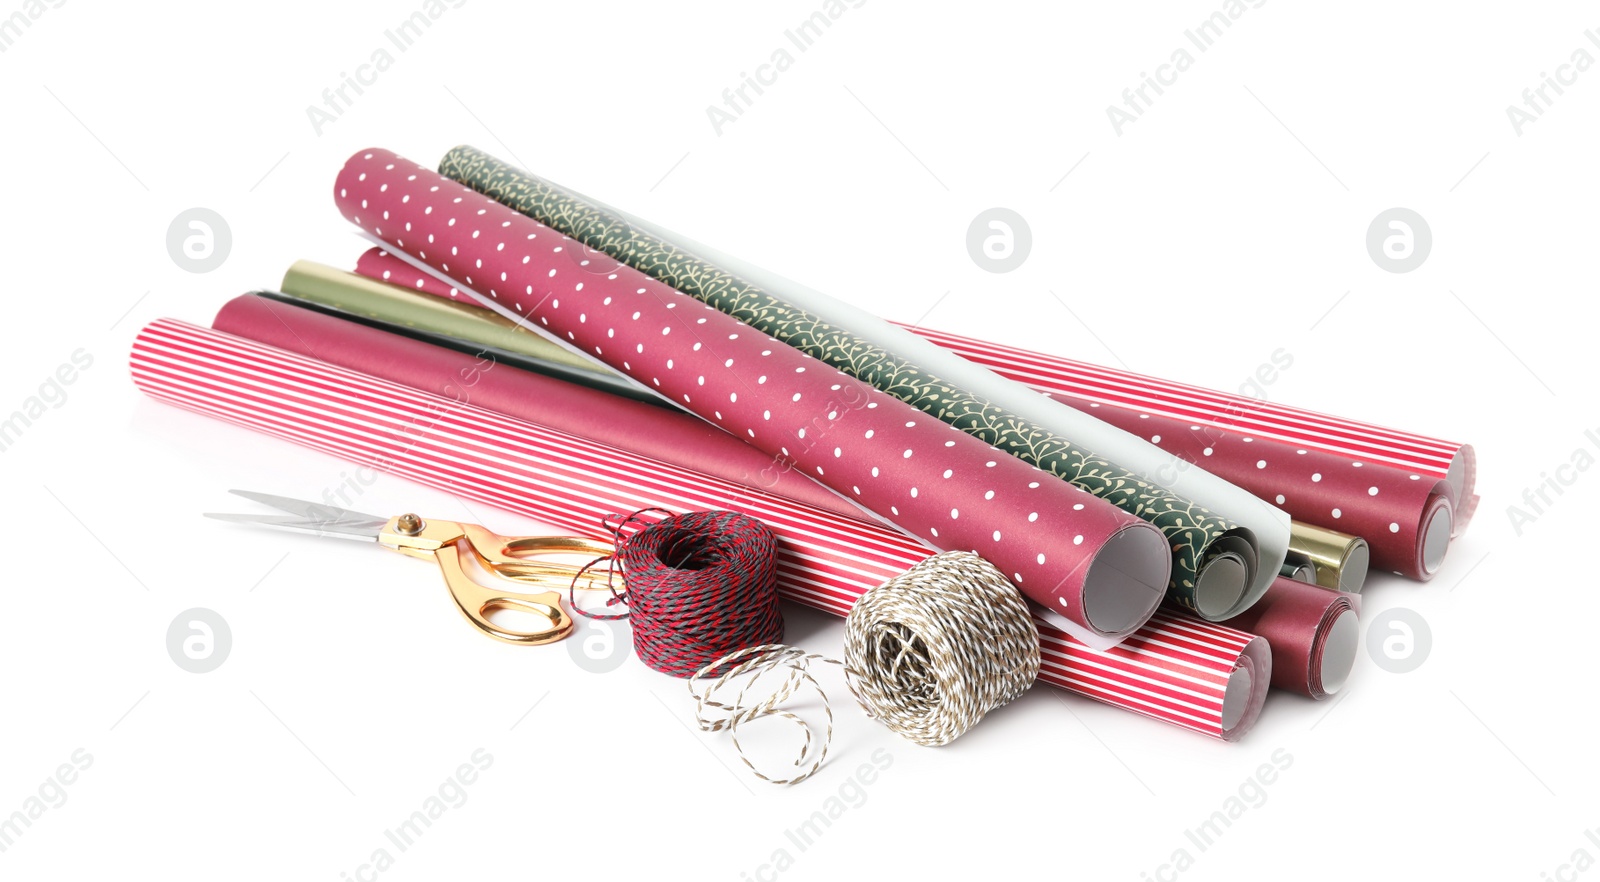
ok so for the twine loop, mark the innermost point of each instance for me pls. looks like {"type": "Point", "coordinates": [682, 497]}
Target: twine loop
{"type": "Point", "coordinates": [928, 653]}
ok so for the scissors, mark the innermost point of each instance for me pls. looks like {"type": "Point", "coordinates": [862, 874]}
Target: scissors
{"type": "Point", "coordinates": [453, 545]}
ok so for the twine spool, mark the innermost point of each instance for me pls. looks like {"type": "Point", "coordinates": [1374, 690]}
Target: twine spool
{"type": "Point", "coordinates": [928, 653]}
{"type": "Point", "coordinates": [932, 650]}
{"type": "Point", "coordinates": [698, 586]}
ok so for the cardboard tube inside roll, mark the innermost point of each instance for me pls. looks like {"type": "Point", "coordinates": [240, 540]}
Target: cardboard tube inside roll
{"type": "Point", "coordinates": [1299, 568]}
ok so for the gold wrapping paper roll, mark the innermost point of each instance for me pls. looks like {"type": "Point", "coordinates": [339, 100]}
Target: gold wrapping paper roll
{"type": "Point", "coordinates": [1340, 560]}
{"type": "Point", "coordinates": [392, 304]}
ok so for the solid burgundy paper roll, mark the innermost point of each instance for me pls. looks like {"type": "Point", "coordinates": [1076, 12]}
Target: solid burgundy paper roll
{"type": "Point", "coordinates": [1314, 634]}
{"type": "Point", "coordinates": [632, 425]}
{"type": "Point", "coordinates": [1102, 570]}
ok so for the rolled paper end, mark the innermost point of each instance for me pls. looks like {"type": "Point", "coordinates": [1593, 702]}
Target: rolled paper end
{"type": "Point", "coordinates": [1225, 585]}
{"type": "Point", "coordinates": [1462, 477]}
{"type": "Point", "coordinates": [1330, 672]}
{"type": "Point", "coordinates": [1247, 690]}
{"type": "Point", "coordinates": [1220, 585]}
{"type": "Point", "coordinates": [1126, 581]}
{"type": "Point", "coordinates": [1331, 553]}
{"type": "Point", "coordinates": [1438, 522]}
{"type": "Point", "coordinates": [1302, 572]}
{"type": "Point", "coordinates": [1353, 568]}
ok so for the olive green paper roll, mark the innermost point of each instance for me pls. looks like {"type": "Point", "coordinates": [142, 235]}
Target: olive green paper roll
{"type": "Point", "coordinates": [393, 305]}
{"type": "Point", "coordinates": [1214, 560]}
{"type": "Point", "coordinates": [529, 360]}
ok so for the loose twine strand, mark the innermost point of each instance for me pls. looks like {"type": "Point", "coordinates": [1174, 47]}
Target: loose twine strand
{"type": "Point", "coordinates": [928, 653]}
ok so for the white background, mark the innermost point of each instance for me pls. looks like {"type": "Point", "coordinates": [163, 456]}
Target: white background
{"type": "Point", "coordinates": [1225, 224]}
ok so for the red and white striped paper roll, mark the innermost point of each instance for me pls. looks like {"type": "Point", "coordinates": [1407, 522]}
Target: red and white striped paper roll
{"type": "Point", "coordinates": [1102, 570]}
{"type": "Point", "coordinates": [1451, 463]}
{"type": "Point", "coordinates": [1208, 678]}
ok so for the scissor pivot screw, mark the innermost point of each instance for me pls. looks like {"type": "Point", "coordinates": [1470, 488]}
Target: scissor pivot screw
{"type": "Point", "coordinates": [410, 524]}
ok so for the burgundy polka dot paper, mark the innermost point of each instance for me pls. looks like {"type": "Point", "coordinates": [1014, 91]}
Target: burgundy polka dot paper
{"type": "Point", "coordinates": [1386, 506]}
{"type": "Point", "coordinates": [929, 479]}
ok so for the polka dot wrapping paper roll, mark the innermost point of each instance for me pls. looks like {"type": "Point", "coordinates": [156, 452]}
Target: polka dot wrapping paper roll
{"type": "Point", "coordinates": [1207, 678]}
{"type": "Point", "coordinates": [1450, 468]}
{"type": "Point", "coordinates": [1215, 562]}
{"type": "Point", "coordinates": [1101, 570]}
{"type": "Point", "coordinates": [1404, 517]}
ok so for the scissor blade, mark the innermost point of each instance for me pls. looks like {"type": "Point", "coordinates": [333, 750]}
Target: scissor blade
{"type": "Point", "coordinates": [317, 511]}
{"type": "Point", "coordinates": [365, 530]}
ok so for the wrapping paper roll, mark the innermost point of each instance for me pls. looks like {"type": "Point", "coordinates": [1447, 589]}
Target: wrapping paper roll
{"type": "Point", "coordinates": [1300, 569]}
{"type": "Point", "coordinates": [1215, 561]}
{"type": "Point", "coordinates": [1338, 561]}
{"type": "Point", "coordinates": [1203, 677]}
{"type": "Point", "coordinates": [603, 379]}
{"type": "Point", "coordinates": [1314, 634]}
{"type": "Point", "coordinates": [1100, 569]}
{"type": "Point", "coordinates": [382, 265]}
{"type": "Point", "coordinates": [377, 263]}
{"type": "Point", "coordinates": [1405, 519]}
{"type": "Point", "coordinates": [358, 294]}
{"type": "Point", "coordinates": [1268, 524]}
{"type": "Point", "coordinates": [1451, 465]}
{"type": "Point", "coordinates": [641, 428]}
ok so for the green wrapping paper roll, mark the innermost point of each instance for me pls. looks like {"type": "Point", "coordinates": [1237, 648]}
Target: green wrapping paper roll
{"type": "Point", "coordinates": [1214, 560]}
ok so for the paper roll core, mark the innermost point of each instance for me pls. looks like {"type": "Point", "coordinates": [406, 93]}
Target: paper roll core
{"type": "Point", "coordinates": [1436, 529]}
{"type": "Point", "coordinates": [1221, 584]}
{"type": "Point", "coordinates": [1126, 581]}
{"type": "Point", "coordinates": [1353, 569]}
{"type": "Point", "coordinates": [1237, 699]}
{"type": "Point", "coordinates": [1339, 651]}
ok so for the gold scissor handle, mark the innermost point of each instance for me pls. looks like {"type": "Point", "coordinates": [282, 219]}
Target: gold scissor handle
{"type": "Point", "coordinates": [476, 602]}
{"type": "Point", "coordinates": [516, 557]}
{"type": "Point", "coordinates": [511, 558]}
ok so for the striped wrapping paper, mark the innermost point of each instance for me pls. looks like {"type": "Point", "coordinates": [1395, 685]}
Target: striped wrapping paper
{"type": "Point", "coordinates": [1174, 669]}
{"type": "Point", "coordinates": [1453, 465]}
